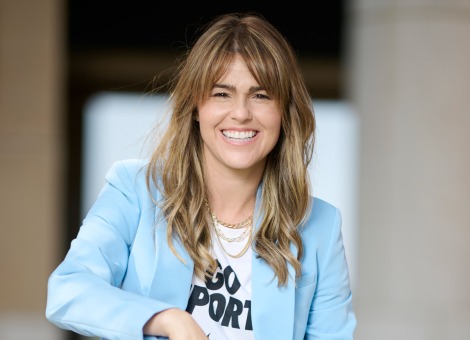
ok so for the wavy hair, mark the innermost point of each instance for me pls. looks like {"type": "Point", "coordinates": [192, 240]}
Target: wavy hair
{"type": "Point", "coordinates": [176, 163]}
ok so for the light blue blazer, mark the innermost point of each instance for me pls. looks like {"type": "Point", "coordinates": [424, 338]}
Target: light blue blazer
{"type": "Point", "coordinates": [120, 271]}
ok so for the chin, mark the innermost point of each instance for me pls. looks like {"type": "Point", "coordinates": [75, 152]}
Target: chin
{"type": "Point", "coordinates": [244, 165]}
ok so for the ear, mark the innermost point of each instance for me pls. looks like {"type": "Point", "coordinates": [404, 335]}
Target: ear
{"type": "Point", "coordinates": [196, 115]}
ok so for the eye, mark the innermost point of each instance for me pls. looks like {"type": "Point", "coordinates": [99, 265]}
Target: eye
{"type": "Point", "coordinates": [261, 96]}
{"type": "Point", "coordinates": [220, 94]}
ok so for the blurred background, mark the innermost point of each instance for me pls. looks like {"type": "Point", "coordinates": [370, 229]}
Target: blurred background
{"type": "Point", "coordinates": [390, 82]}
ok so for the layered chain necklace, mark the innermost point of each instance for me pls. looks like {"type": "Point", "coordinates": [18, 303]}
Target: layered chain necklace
{"type": "Point", "coordinates": [246, 225]}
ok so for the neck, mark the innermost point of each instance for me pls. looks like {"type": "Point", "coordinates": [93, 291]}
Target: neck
{"type": "Point", "coordinates": [232, 195]}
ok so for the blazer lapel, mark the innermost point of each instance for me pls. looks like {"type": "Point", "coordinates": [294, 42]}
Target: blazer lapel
{"type": "Point", "coordinates": [272, 307]}
{"type": "Point", "coordinates": [172, 278]}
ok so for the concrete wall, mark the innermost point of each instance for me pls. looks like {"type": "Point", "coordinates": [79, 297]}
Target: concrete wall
{"type": "Point", "coordinates": [31, 96]}
{"type": "Point", "coordinates": [408, 68]}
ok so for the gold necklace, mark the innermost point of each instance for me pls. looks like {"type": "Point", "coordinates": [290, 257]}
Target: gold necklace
{"type": "Point", "coordinates": [240, 238]}
{"type": "Point", "coordinates": [243, 224]}
{"type": "Point", "coordinates": [220, 233]}
{"type": "Point", "coordinates": [245, 248]}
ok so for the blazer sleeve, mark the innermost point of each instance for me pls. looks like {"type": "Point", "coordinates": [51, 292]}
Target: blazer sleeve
{"type": "Point", "coordinates": [331, 314]}
{"type": "Point", "coordinates": [83, 293]}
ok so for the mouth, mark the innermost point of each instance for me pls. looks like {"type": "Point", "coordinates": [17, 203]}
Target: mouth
{"type": "Point", "coordinates": [239, 136]}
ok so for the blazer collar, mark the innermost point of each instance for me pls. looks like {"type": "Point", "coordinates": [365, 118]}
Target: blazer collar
{"type": "Point", "coordinates": [172, 278]}
{"type": "Point", "coordinates": [272, 307]}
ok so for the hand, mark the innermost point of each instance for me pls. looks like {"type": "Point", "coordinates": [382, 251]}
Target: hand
{"type": "Point", "coordinates": [175, 324]}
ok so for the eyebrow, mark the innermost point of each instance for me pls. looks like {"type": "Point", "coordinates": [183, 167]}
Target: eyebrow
{"type": "Point", "coordinates": [232, 88]}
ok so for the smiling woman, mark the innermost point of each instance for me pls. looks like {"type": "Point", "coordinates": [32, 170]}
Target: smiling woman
{"type": "Point", "coordinates": [217, 234]}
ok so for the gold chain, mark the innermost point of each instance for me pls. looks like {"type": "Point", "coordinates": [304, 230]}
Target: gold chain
{"type": "Point", "coordinates": [243, 224]}
{"type": "Point", "coordinates": [241, 237]}
{"type": "Point", "coordinates": [241, 253]}
{"type": "Point", "coordinates": [245, 248]}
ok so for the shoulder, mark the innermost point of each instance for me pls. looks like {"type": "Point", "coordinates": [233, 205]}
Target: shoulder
{"type": "Point", "coordinates": [131, 176]}
{"type": "Point", "coordinates": [323, 220]}
{"type": "Point", "coordinates": [131, 167]}
{"type": "Point", "coordinates": [321, 236]}
{"type": "Point", "coordinates": [130, 171]}
{"type": "Point", "coordinates": [323, 211]}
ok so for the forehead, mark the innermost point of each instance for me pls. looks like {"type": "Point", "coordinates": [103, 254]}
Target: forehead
{"type": "Point", "coordinates": [237, 73]}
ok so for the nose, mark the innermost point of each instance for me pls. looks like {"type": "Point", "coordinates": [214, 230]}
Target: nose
{"type": "Point", "coordinates": [241, 110]}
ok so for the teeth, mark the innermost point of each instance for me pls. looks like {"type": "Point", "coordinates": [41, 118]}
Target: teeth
{"type": "Point", "coordinates": [239, 134]}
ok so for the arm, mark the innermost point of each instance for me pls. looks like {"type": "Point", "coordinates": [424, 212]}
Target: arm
{"type": "Point", "coordinates": [83, 292]}
{"type": "Point", "coordinates": [175, 324]}
{"type": "Point", "coordinates": [331, 314]}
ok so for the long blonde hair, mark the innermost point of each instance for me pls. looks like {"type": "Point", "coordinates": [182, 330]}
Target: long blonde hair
{"type": "Point", "coordinates": [176, 164]}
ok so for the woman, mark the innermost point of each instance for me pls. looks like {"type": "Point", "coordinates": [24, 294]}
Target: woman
{"type": "Point", "coordinates": [216, 235]}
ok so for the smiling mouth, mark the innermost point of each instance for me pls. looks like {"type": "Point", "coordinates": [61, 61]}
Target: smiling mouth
{"type": "Point", "coordinates": [239, 135]}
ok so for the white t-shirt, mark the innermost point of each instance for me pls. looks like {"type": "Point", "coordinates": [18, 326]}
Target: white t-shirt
{"type": "Point", "coordinates": [222, 306]}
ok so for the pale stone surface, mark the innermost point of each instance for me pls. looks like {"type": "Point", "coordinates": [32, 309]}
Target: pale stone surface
{"type": "Point", "coordinates": [28, 325]}
{"type": "Point", "coordinates": [409, 78]}
{"type": "Point", "coordinates": [30, 162]}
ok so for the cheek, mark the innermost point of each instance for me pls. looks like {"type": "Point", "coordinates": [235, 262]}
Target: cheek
{"type": "Point", "coordinates": [207, 127]}
{"type": "Point", "coordinates": [203, 129]}
{"type": "Point", "coordinates": [207, 114]}
{"type": "Point", "coordinates": [275, 132]}
{"type": "Point", "coordinates": [276, 124]}
{"type": "Point", "coordinates": [203, 118]}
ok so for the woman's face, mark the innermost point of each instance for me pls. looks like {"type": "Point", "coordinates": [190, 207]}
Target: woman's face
{"type": "Point", "coordinates": [239, 122]}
